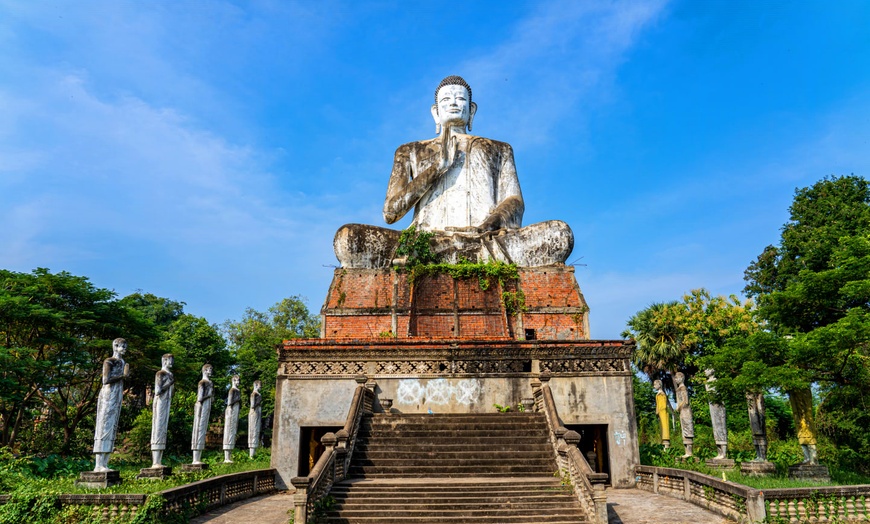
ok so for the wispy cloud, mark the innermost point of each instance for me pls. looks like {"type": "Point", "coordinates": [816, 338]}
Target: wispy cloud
{"type": "Point", "coordinates": [562, 52]}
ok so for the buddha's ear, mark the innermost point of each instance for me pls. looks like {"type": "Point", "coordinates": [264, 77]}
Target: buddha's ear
{"type": "Point", "coordinates": [472, 109]}
{"type": "Point", "coordinates": [434, 111]}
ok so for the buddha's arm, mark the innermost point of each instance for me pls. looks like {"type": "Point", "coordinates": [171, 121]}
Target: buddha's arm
{"type": "Point", "coordinates": [403, 191]}
{"type": "Point", "coordinates": [508, 213]}
{"type": "Point", "coordinates": [502, 216]}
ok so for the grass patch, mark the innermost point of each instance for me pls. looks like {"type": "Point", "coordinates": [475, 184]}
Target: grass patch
{"type": "Point", "coordinates": [656, 455]}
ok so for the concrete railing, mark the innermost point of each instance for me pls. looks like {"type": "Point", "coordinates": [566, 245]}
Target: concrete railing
{"type": "Point", "coordinates": [744, 504]}
{"type": "Point", "coordinates": [588, 485]}
{"type": "Point", "coordinates": [333, 464]}
{"type": "Point", "coordinates": [194, 498]}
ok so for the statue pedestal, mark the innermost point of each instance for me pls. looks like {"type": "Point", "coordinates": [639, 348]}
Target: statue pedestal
{"type": "Point", "coordinates": [720, 463]}
{"type": "Point", "coordinates": [810, 472]}
{"type": "Point", "coordinates": [190, 468]}
{"type": "Point", "coordinates": [758, 468]}
{"type": "Point", "coordinates": [155, 472]}
{"type": "Point", "coordinates": [98, 479]}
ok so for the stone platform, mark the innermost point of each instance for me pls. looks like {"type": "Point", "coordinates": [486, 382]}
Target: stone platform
{"type": "Point", "coordinates": [98, 479]}
{"type": "Point", "coordinates": [720, 463]}
{"type": "Point", "coordinates": [188, 468]}
{"type": "Point", "coordinates": [758, 468]}
{"type": "Point", "coordinates": [816, 472]}
{"type": "Point", "coordinates": [155, 472]}
{"type": "Point", "coordinates": [447, 345]}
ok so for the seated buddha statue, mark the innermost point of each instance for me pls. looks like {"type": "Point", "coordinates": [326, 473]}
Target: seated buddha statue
{"type": "Point", "coordinates": [464, 191]}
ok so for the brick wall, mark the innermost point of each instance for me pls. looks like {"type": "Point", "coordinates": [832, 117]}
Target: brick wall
{"type": "Point", "coordinates": [366, 303]}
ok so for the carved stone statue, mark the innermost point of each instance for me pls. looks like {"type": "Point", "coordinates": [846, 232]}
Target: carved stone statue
{"type": "Point", "coordinates": [231, 419]}
{"type": "Point", "coordinates": [164, 385]}
{"type": "Point", "coordinates": [802, 409]}
{"type": "Point", "coordinates": [718, 418]}
{"type": "Point", "coordinates": [684, 407]}
{"type": "Point", "coordinates": [757, 423]}
{"type": "Point", "coordinates": [663, 407]}
{"type": "Point", "coordinates": [115, 370]}
{"type": "Point", "coordinates": [463, 189]}
{"type": "Point", "coordinates": [201, 413]}
{"type": "Point", "coordinates": [255, 415]}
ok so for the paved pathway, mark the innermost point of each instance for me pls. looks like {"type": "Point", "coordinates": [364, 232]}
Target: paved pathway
{"type": "Point", "coordinates": [267, 509]}
{"type": "Point", "coordinates": [624, 506]}
{"type": "Point", "coordinates": [635, 506]}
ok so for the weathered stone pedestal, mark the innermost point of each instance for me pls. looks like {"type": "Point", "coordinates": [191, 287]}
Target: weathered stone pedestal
{"type": "Point", "coordinates": [155, 472]}
{"type": "Point", "coordinates": [455, 346]}
{"type": "Point", "coordinates": [99, 479]}
{"type": "Point", "coordinates": [190, 468]}
{"type": "Point", "coordinates": [720, 463]}
{"type": "Point", "coordinates": [815, 472]}
{"type": "Point", "coordinates": [758, 468]}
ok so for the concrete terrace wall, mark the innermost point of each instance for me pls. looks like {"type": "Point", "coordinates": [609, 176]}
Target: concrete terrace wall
{"type": "Point", "coordinates": [590, 380]}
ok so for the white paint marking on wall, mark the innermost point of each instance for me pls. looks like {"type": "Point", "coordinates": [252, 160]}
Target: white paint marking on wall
{"type": "Point", "coordinates": [437, 392]}
{"type": "Point", "coordinates": [619, 437]}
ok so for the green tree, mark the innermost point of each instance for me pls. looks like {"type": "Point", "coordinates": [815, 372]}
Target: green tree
{"type": "Point", "coordinates": [673, 336]}
{"type": "Point", "coordinates": [254, 340]}
{"type": "Point", "coordinates": [56, 329]}
{"type": "Point", "coordinates": [813, 291]}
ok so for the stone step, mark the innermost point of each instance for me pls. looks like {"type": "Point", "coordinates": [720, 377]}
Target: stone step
{"type": "Point", "coordinates": [418, 471]}
{"type": "Point", "coordinates": [443, 432]}
{"type": "Point", "coordinates": [466, 485]}
{"type": "Point", "coordinates": [459, 516]}
{"type": "Point", "coordinates": [494, 468]}
{"type": "Point", "coordinates": [450, 446]}
{"type": "Point", "coordinates": [439, 454]}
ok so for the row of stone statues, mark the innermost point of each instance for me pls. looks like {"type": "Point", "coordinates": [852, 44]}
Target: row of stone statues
{"type": "Point", "coordinates": [801, 406]}
{"type": "Point", "coordinates": [115, 370]}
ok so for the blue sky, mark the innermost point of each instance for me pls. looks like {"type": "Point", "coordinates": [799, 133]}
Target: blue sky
{"type": "Point", "coordinates": [208, 151]}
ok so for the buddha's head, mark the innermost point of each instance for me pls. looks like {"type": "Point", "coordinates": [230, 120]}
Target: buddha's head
{"type": "Point", "coordinates": [167, 361]}
{"type": "Point", "coordinates": [453, 105]}
{"type": "Point", "coordinates": [235, 381]}
{"type": "Point", "coordinates": [679, 378]}
{"type": "Point", "coordinates": [206, 371]}
{"type": "Point", "coordinates": [257, 385]}
{"type": "Point", "coordinates": [657, 385]}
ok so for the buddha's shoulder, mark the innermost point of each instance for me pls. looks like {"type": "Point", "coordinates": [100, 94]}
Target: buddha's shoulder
{"type": "Point", "coordinates": [435, 143]}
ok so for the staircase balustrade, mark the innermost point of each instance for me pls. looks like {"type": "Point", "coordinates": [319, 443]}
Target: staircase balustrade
{"type": "Point", "coordinates": [333, 464]}
{"type": "Point", "coordinates": [588, 485]}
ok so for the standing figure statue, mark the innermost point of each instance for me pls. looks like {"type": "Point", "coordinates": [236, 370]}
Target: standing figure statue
{"type": "Point", "coordinates": [201, 413]}
{"type": "Point", "coordinates": [684, 407]}
{"type": "Point", "coordinates": [663, 408]}
{"type": "Point", "coordinates": [758, 424]}
{"type": "Point", "coordinates": [164, 385]}
{"type": "Point", "coordinates": [115, 370]}
{"type": "Point", "coordinates": [718, 417]}
{"type": "Point", "coordinates": [255, 415]}
{"type": "Point", "coordinates": [231, 419]}
{"type": "Point", "coordinates": [801, 401]}
{"type": "Point", "coordinates": [461, 188]}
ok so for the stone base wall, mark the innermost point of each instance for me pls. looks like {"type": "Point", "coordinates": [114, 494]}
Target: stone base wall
{"type": "Point", "coordinates": [590, 381]}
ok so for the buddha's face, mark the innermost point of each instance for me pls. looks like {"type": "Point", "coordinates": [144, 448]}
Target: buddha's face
{"type": "Point", "coordinates": [119, 345]}
{"type": "Point", "coordinates": [657, 385]}
{"type": "Point", "coordinates": [453, 106]}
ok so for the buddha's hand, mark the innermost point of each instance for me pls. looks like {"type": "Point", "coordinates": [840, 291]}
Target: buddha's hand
{"type": "Point", "coordinates": [449, 153]}
{"type": "Point", "coordinates": [492, 223]}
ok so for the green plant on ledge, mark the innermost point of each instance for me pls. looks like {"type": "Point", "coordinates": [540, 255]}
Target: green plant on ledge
{"type": "Point", "coordinates": [514, 301]}
{"type": "Point", "coordinates": [416, 246]}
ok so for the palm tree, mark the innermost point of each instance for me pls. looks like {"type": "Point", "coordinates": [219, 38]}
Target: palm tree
{"type": "Point", "coordinates": [660, 350]}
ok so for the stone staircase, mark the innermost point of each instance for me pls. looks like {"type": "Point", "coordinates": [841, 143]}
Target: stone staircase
{"type": "Point", "coordinates": [480, 468]}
